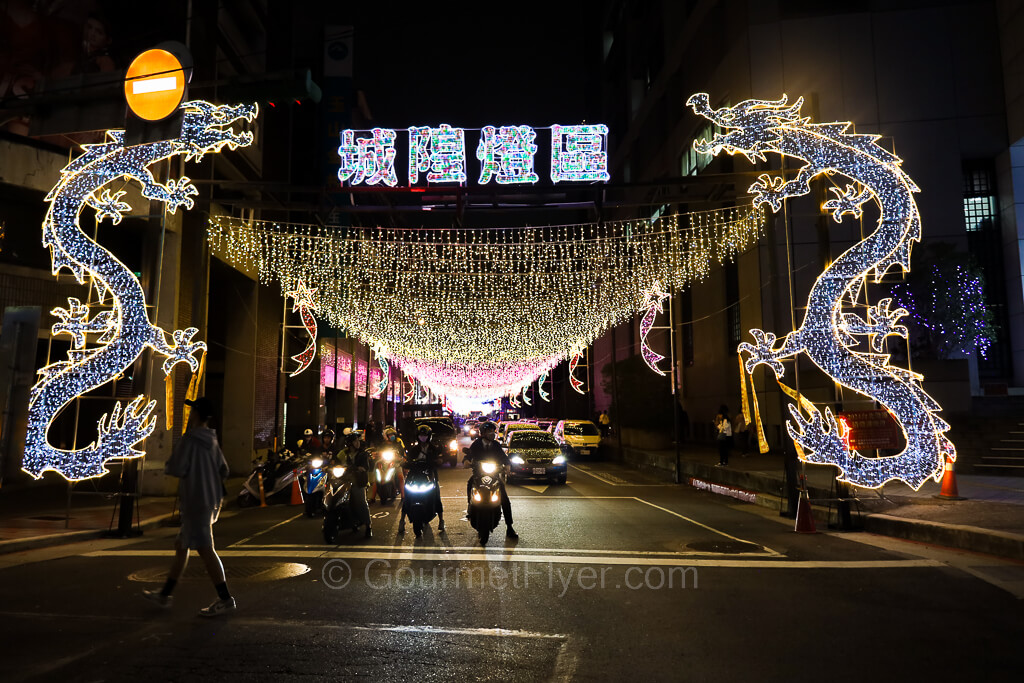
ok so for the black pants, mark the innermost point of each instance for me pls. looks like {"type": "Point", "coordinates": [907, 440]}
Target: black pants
{"type": "Point", "coordinates": [506, 504]}
{"type": "Point", "coordinates": [724, 445]}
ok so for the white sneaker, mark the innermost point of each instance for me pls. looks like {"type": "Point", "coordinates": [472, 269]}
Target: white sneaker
{"type": "Point", "coordinates": [158, 598]}
{"type": "Point", "coordinates": [218, 606]}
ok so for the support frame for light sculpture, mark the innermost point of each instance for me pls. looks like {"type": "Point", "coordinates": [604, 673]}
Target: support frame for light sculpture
{"type": "Point", "coordinates": [828, 335]}
{"type": "Point", "coordinates": [125, 330]}
{"type": "Point", "coordinates": [302, 301]}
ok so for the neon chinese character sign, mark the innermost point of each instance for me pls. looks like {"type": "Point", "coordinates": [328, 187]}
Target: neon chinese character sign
{"type": "Point", "coordinates": [506, 155]}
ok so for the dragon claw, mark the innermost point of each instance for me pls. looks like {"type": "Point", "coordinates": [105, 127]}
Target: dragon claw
{"type": "Point", "coordinates": [763, 351]}
{"type": "Point", "coordinates": [183, 350]}
{"type": "Point", "coordinates": [109, 206]}
{"type": "Point", "coordinates": [818, 436]}
{"type": "Point", "coordinates": [180, 193]}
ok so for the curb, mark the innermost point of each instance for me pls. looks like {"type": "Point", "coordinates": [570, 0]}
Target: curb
{"type": "Point", "coordinates": [960, 536]}
{"type": "Point", "coordinates": [16, 545]}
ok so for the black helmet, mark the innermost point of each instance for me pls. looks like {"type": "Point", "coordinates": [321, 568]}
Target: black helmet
{"type": "Point", "coordinates": [424, 429]}
{"type": "Point", "coordinates": [353, 435]}
{"type": "Point", "coordinates": [488, 427]}
{"type": "Point", "coordinates": [329, 432]}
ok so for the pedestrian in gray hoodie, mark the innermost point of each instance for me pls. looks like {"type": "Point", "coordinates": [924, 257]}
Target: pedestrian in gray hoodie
{"type": "Point", "coordinates": [200, 464]}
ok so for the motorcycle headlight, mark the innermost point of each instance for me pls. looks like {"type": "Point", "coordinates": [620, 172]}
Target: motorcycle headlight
{"type": "Point", "coordinates": [388, 455]}
{"type": "Point", "coordinates": [378, 475]}
{"type": "Point", "coordinates": [337, 472]}
{"type": "Point", "coordinates": [454, 445]}
{"type": "Point", "coordinates": [558, 460]}
{"type": "Point", "coordinates": [494, 497]}
{"type": "Point", "coordinates": [317, 463]}
{"type": "Point", "coordinates": [476, 496]}
{"type": "Point", "coordinates": [488, 467]}
{"type": "Point", "coordinates": [518, 460]}
{"type": "Point", "coordinates": [391, 473]}
{"type": "Point", "coordinates": [419, 488]}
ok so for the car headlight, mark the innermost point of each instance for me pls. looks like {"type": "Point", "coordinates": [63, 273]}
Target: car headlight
{"type": "Point", "coordinates": [454, 445]}
{"type": "Point", "coordinates": [337, 472]}
{"type": "Point", "coordinates": [488, 467]}
{"type": "Point", "coordinates": [518, 460]}
{"type": "Point", "coordinates": [558, 460]}
{"type": "Point", "coordinates": [317, 463]}
{"type": "Point", "coordinates": [476, 496]}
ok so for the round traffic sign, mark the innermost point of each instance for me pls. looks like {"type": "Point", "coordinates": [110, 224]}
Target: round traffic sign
{"type": "Point", "coordinates": [154, 85]}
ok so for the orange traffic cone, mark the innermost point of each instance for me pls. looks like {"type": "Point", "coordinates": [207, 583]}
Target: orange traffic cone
{"type": "Point", "coordinates": [949, 490]}
{"type": "Point", "coordinates": [263, 494]}
{"type": "Point", "coordinates": [296, 493]}
{"type": "Point", "coordinates": [804, 516]}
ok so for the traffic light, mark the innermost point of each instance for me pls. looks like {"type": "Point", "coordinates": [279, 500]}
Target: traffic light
{"type": "Point", "coordinates": [287, 86]}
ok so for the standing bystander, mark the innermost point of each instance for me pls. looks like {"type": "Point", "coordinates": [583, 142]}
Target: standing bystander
{"type": "Point", "coordinates": [724, 426]}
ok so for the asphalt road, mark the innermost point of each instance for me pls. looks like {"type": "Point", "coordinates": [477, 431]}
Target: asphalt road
{"type": "Point", "coordinates": [614, 577]}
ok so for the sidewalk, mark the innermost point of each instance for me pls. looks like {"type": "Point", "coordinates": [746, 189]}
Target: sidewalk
{"type": "Point", "coordinates": [37, 515]}
{"type": "Point", "coordinates": [990, 521]}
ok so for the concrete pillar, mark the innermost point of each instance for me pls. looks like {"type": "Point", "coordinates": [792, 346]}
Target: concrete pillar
{"type": "Point", "coordinates": [237, 420]}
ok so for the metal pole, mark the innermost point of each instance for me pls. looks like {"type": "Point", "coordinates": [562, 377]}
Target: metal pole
{"type": "Point", "coordinates": [675, 393]}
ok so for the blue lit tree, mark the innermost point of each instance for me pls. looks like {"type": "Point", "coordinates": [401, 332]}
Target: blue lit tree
{"type": "Point", "coordinates": [944, 295]}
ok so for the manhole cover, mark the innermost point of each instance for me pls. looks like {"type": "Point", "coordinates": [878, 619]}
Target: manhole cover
{"type": "Point", "coordinates": [244, 572]}
{"type": "Point", "coordinates": [726, 547]}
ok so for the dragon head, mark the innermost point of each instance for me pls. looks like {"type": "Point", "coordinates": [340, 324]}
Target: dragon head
{"type": "Point", "coordinates": [207, 127]}
{"type": "Point", "coordinates": [750, 126]}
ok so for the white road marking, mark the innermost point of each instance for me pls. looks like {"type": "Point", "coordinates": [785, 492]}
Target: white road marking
{"type": "Point", "coordinates": [461, 631]}
{"type": "Point", "coordinates": [611, 479]}
{"type": "Point", "coordinates": [518, 549]}
{"type": "Point", "coordinates": [499, 555]}
{"type": "Point", "coordinates": [270, 528]}
{"type": "Point", "coordinates": [696, 523]}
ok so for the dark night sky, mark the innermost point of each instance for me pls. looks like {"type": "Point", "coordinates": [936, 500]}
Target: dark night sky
{"type": "Point", "coordinates": [526, 65]}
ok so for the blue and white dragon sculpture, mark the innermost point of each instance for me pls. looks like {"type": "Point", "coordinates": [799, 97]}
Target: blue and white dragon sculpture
{"type": "Point", "coordinates": [125, 329]}
{"type": "Point", "coordinates": [829, 334]}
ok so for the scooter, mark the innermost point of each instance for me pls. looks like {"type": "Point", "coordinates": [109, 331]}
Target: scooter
{"type": "Point", "coordinates": [385, 469]}
{"type": "Point", "coordinates": [485, 497]}
{"type": "Point", "coordinates": [336, 501]}
{"type": "Point", "coordinates": [311, 484]}
{"type": "Point", "coordinates": [419, 500]}
{"type": "Point", "coordinates": [278, 471]}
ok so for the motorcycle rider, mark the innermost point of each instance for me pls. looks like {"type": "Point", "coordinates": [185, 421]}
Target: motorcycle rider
{"type": "Point", "coordinates": [328, 446]}
{"type": "Point", "coordinates": [486, 448]}
{"type": "Point", "coordinates": [309, 442]}
{"type": "Point", "coordinates": [360, 463]}
{"type": "Point", "coordinates": [425, 452]}
{"type": "Point", "coordinates": [394, 443]}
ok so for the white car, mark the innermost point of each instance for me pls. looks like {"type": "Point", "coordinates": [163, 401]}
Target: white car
{"type": "Point", "coordinates": [582, 436]}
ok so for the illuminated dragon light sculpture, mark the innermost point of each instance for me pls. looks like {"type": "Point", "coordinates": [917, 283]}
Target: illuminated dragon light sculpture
{"type": "Point", "coordinates": [829, 335]}
{"type": "Point", "coordinates": [125, 329]}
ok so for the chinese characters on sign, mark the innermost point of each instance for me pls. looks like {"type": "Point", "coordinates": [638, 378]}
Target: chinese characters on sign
{"type": "Point", "coordinates": [506, 155]}
{"type": "Point", "coordinates": [870, 429]}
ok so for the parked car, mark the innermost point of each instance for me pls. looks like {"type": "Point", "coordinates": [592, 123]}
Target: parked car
{"type": "Point", "coordinates": [581, 436]}
{"type": "Point", "coordinates": [536, 454]}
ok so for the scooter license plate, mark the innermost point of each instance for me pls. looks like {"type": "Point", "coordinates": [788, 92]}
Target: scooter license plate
{"type": "Point", "coordinates": [584, 451]}
{"type": "Point", "coordinates": [540, 470]}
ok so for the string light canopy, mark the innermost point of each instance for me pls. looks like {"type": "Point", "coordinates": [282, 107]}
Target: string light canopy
{"type": "Point", "coordinates": [484, 312]}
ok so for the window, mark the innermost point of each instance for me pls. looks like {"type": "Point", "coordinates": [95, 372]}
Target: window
{"type": "Point", "coordinates": [980, 211]}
